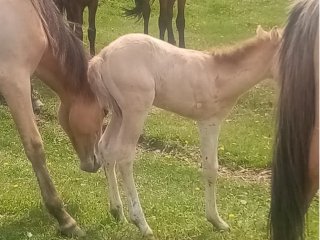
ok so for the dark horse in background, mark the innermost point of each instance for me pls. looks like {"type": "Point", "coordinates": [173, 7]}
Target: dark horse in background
{"type": "Point", "coordinates": [142, 9]}
{"type": "Point", "coordinates": [295, 171]}
{"type": "Point", "coordinates": [74, 11]}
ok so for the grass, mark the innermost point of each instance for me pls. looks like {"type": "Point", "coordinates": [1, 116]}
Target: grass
{"type": "Point", "coordinates": [167, 171]}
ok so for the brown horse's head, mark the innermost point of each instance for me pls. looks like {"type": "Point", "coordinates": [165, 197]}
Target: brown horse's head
{"type": "Point", "coordinates": [82, 121]}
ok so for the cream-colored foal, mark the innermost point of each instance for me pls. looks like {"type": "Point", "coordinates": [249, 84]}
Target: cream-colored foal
{"type": "Point", "coordinates": [137, 71]}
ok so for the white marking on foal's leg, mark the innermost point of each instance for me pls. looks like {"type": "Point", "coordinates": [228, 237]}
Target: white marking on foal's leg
{"type": "Point", "coordinates": [116, 206]}
{"type": "Point", "coordinates": [134, 206]}
{"type": "Point", "coordinates": [209, 133]}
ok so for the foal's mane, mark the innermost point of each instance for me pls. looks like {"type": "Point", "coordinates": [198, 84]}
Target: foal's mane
{"type": "Point", "coordinates": [239, 51]}
{"type": "Point", "coordinates": [65, 46]}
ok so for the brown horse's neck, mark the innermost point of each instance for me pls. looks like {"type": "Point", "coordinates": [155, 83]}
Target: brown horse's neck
{"type": "Point", "coordinates": [68, 89]}
{"type": "Point", "coordinates": [242, 68]}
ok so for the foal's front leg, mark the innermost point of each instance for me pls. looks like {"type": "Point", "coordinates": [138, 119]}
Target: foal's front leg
{"type": "Point", "coordinates": [209, 133]}
{"type": "Point", "coordinates": [108, 162]}
{"type": "Point", "coordinates": [131, 128]}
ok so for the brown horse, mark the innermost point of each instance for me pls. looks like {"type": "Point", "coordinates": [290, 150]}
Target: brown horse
{"type": "Point", "coordinates": [40, 41]}
{"type": "Point", "coordinates": [74, 10]}
{"type": "Point", "coordinates": [295, 175]}
{"type": "Point", "coordinates": [142, 9]}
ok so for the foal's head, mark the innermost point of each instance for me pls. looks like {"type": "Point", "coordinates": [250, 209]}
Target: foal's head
{"type": "Point", "coordinates": [273, 39]}
{"type": "Point", "coordinates": [82, 120]}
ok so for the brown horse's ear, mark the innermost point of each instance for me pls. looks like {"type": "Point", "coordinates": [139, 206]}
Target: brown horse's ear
{"type": "Point", "coordinates": [274, 34]}
{"type": "Point", "coordinates": [260, 31]}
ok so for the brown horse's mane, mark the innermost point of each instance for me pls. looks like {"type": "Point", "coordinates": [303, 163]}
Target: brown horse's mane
{"type": "Point", "coordinates": [65, 46]}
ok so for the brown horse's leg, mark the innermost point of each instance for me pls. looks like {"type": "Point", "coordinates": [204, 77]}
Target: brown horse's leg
{"type": "Point", "coordinates": [314, 146]}
{"type": "Point", "coordinates": [74, 16]}
{"type": "Point", "coordinates": [17, 95]}
{"type": "Point", "coordinates": [162, 21]}
{"type": "Point", "coordinates": [181, 22]}
{"type": "Point", "coordinates": [169, 22]}
{"type": "Point", "coordinates": [314, 165]}
{"type": "Point", "coordinates": [146, 15]}
{"type": "Point", "coordinates": [92, 26]}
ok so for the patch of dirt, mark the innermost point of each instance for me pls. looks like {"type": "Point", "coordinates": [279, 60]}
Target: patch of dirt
{"type": "Point", "coordinates": [248, 175]}
{"type": "Point", "coordinates": [193, 158]}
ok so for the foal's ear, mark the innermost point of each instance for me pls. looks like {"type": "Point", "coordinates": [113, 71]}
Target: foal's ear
{"type": "Point", "coordinates": [275, 34]}
{"type": "Point", "coordinates": [260, 31]}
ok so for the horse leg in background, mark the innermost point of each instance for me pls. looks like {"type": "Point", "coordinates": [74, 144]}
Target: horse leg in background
{"type": "Point", "coordinates": [18, 97]}
{"type": "Point", "coordinates": [146, 9]}
{"type": "Point", "coordinates": [169, 22]}
{"type": "Point", "coordinates": [108, 137]}
{"type": "Point", "coordinates": [74, 16]}
{"type": "Point", "coordinates": [180, 21]}
{"type": "Point", "coordinates": [163, 18]}
{"type": "Point", "coordinates": [92, 25]}
{"type": "Point", "coordinates": [209, 133]}
{"type": "Point", "coordinates": [124, 153]}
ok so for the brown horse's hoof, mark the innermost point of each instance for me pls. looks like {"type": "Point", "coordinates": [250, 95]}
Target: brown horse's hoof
{"type": "Point", "coordinates": [73, 231]}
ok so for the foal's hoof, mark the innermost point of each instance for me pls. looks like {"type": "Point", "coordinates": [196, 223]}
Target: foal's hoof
{"type": "Point", "coordinates": [72, 231]}
{"type": "Point", "coordinates": [148, 234]}
{"type": "Point", "coordinates": [118, 215]}
{"type": "Point", "coordinates": [221, 226]}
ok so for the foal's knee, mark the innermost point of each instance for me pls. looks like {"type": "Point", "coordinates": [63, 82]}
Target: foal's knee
{"type": "Point", "coordinates": [210, 172]}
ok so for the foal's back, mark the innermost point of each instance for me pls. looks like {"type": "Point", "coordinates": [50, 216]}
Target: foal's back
{"type": "Point", "coordinates": [178, 77]}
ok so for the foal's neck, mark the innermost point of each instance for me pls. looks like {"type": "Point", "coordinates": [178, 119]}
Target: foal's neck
{"type": "Point", "coordinates": [242, 68]}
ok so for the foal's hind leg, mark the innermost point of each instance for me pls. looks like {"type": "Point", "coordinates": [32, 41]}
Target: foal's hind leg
{"type": "Point", "coordinates": [17, 95]}
{"type": "Point", "coordinates": [108, 138]}
{"type": "Point", "coordinates": [209, 132]}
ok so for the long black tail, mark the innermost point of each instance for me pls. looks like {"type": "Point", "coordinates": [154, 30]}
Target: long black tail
{"type": "Point", "coordinates": [296, 119]}
{"type": "Point", "coordinates": [137, 11]}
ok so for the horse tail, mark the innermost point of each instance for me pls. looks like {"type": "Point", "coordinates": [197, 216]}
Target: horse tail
{"type": "Point", "coordinates": [100, 85]}
{"type": "Point", "coordinates": [137, 11]}
{"type": "Point", "coordinates": [296, 119]}
{"type": "Point", "coordinates": [63, 44]}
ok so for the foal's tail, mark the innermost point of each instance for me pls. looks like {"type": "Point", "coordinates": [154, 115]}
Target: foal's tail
{"type": "Point", "coordinates": [296, 120]}
{"type": "Point", "coordinates": [100, 86]}
{"type": "Point", "coordinates": [138, 10]}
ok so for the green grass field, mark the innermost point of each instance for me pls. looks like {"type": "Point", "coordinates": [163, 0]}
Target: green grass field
{"type": "Point", "coordinates": [167, 169]}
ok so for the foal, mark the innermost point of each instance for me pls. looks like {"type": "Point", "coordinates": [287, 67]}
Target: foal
{"type": "Point", "coordinates": [199, 85]}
